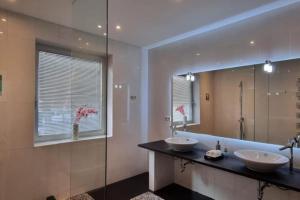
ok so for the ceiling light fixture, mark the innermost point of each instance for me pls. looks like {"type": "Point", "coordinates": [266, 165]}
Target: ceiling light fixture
{"type": "Point", "coordinates": [1, 32]}
{"type": "Point", "coordinates": [99, 26]}
{"type": "Point", "coordinates": [268, 67]}
{"type": "Point", "coordinates": [118, 27]}
{"type": "Point", "coordinates": [197, 54]}
{"type": "Point", "coordinates": [104, 34]}
{"type": "Point", "coordinates": [79, 39]}
{"type": "Point", "coordinates": [252, 43]}
{"type": "Point", "coordinates": [4, 19]}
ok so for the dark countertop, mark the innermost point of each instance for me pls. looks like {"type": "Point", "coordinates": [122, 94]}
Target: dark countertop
{"type": "Point", "coordinates": [281, 177]}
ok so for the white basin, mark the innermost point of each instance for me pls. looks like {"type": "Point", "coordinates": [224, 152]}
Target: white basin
{"type": "Point", "coordinates": [181, 143]}
{"type": "Point", "coordinates": [261, 161]}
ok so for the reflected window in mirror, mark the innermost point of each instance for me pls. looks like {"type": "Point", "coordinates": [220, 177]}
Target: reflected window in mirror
{"type": "Point", "coordinates": [183, 108]}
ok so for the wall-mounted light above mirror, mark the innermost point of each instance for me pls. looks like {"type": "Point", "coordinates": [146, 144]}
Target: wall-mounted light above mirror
{"type": "Point", "coordinates": [268, 66]}
{"type": "Point", "coordinates": [190, 77]}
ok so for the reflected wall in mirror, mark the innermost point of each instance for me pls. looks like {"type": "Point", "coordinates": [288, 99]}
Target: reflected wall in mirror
{"type": "Point", "coordinates": [249, 103]}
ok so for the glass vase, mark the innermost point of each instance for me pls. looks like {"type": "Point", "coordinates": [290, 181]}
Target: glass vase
{"type": "Point", "coordinates": [75, 131]}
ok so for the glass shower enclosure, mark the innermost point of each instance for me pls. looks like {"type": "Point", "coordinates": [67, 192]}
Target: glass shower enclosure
{"type": "Point", "coordinates": [53, 69]}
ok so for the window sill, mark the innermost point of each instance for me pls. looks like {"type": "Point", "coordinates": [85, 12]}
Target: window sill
{"type": "Point", "coordinates": [191, 124]}
{"type": "Point", "coordinates": [65, 141]}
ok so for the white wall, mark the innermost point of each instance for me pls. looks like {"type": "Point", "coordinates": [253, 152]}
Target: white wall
{"type": "Point", "coordinates": [34, 173]}
{"type": "Point", "coordinates": [125, 159]}
{"type": "Point", "coordinates": [276, 37]}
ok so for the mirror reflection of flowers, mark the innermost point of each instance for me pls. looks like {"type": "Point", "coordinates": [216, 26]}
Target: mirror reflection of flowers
{"type": "Point", "coordinates": [184, 117]}
{"type": "Point", "coordinates": [84, 111]}
{"type": "Point", "coordinates": [181, 109]}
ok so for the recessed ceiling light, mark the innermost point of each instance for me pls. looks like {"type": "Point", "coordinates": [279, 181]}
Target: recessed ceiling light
{"type": "Point", "coordinates": [1, 32]}
{"type": "Point", "coordinates": [252, 43]}
{"type": "Point", "coordinates": [79, 39]}
{"type": "Point", "coordinates": [3, 19]}
{"type": "Point", "coordinates": [99, 26]}
{"type": "Point", "coordinates": [118, 27]}
{"type": "Point", "coordinates": [104, 34]}
{"type": "Point", "coordinates": [197, 54]}
{"type": "Point", "coordinates": [87, 44]}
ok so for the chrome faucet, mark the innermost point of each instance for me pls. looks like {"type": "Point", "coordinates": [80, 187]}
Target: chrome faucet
{"type": "Point", "coordinates": [292, 143]}
{"type": "Point", "coordinates": [173, 128]}
{"type": "Point", "coordinates": [297, 140]}
{"type": "Point", "coordinates": [290, 146]}
{"type": "Point", "coordinates": [184, 123]}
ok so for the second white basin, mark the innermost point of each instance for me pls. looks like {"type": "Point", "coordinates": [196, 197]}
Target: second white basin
{"type": "Point", "coordinates": [261, 161]}
{"type": "Point", "coordinates": [181, 143]}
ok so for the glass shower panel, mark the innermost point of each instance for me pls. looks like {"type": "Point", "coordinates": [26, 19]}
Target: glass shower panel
{"type": "Point", "coordinates": [53, 59]}
{"type": "Point", "coordinates": [283, 116]}
{"type": "Point", "coordinates": [89, 83]}
{"type": "Point", "coordinates": [277, 100]}
{"type": "Point", "coordinates": [261, 104]}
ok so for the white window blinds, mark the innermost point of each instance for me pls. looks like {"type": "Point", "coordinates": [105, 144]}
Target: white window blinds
{"type": "Point", "coordinates": [182, 96]}
{"type": "Point", "coordinates": [64, 84]}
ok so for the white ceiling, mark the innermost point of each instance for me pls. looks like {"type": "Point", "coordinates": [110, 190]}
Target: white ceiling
{"type": "Point", "coordinates": [149, 21]}
{"type": "Point", "coordinates": [274, 36]}
{"type": "Point", "coordinates": [143, 22]}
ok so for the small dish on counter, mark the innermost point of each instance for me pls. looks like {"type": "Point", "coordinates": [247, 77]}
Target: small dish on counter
{"type": "Point", "coordinates": [213, 155]}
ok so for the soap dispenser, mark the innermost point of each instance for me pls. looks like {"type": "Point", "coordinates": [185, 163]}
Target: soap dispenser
{"type": "Point", "coordinates": [218, 146]}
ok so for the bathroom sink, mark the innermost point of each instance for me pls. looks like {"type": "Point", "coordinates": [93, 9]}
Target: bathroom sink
{"type": "Point", "coordinates": [181, 144]}
{"type": "Point", "coordinates": [261, 161]}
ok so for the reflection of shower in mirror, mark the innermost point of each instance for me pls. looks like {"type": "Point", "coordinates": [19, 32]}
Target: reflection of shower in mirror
{"type": "Point", "coordinates": [242, 119]}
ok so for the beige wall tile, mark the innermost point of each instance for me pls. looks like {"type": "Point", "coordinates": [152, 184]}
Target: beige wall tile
{"type": "Point", "coordinates": [20, 175]}
{"type": "Point", "coordinates": [20, 125]}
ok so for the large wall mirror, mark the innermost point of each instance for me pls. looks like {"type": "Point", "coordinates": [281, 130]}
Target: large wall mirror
{"type": "Point", "coordinates": [258, 103]}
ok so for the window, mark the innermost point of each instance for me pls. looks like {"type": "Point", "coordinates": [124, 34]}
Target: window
{"type": "Point", "coordinates": [182, 97]}
{"type": "Point", "coordinates": [65, 82]}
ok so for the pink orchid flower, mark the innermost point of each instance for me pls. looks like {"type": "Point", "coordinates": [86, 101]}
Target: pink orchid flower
{"type": "Point", "coordinates": [84, 112]}
{"type": "Point", "coordinates": [181, 109]}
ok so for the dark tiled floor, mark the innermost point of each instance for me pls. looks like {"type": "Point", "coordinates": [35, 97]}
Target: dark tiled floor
{"type": "Point", "coordinates": [123, 190]}
{"type": "Point", "coordinates": [129, 188]}
{"type": "Point", "coordinates": [177, 192]}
